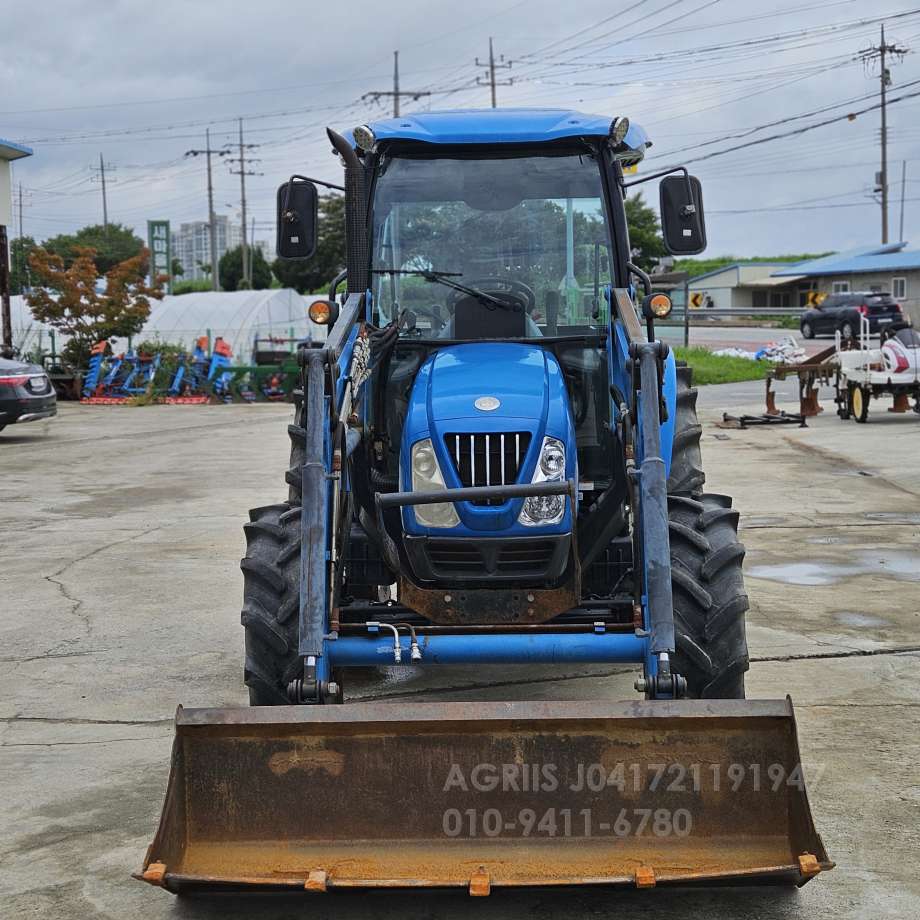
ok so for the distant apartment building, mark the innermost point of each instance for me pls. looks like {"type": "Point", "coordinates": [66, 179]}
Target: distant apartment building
{"type": "Point", "coordinates": [191, 245]}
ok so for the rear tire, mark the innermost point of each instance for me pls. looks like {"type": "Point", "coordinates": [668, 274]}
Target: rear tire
{"type": "Point", "coordinates": [846, 331]}
{"type": "Point", "coordinates": [706, 579]}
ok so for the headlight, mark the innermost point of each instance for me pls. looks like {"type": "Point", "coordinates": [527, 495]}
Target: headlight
{"type": "Point", "coordinates": [541, 510]}
{"type": "Point", "coordinates": [552, 458]}
{"type": "Point", "coordinates": [426, 477]}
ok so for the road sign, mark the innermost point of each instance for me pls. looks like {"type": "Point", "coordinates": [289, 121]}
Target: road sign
{"type": "Point", "coordinates": [696, 299]}
{"type": "Point", "coordinates": [815, 298]}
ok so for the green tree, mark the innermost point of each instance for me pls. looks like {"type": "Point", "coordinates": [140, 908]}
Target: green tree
{"type": "Point", "coordinates": [231, 269]}
{"type": "Point", "coordinates": [644, 233]}
{"type": "Point", "coordinates": [110, 246]}
{"type": "Point", "coordinates": [176, 268]}
{"type": "Point", "coordinates": [329, 259]}
{"type": "Point", "coordinates": [20, 250]}
{"type": "Point", "coordinates": [702, 266]}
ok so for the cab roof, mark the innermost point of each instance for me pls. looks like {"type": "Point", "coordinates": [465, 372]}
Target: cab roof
{"type": "Point", "coordinates": [499, 126]}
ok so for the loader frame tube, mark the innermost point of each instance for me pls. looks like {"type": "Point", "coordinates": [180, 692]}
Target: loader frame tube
{"type": "Point", "coordinates": [513, 648]}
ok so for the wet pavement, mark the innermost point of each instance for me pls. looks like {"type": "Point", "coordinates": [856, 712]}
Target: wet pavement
{"type": "Point", "coordinates": [120, 537]}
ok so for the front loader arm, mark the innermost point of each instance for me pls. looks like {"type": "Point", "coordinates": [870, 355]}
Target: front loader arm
{"type": "Point", "coordinates": [637, 369]}
{"type": "Point", "coordinates": [332, 376]}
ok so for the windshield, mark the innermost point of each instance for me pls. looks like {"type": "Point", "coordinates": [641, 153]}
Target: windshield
{"type": "Point", "coordinates": [491, 248]}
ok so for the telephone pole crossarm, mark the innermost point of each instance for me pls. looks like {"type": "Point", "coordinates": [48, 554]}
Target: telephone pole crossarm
{"type": "Point", "coordinates": [396, 93]}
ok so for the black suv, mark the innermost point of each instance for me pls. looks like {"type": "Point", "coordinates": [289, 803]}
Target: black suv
{"type": "Point", "coordinates": [842, 312]}
{"type": "Point", "coordinates": [26, 394]}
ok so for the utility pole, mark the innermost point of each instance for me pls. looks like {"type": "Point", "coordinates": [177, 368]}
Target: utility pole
{"type": "Point", "coordinates": [491, 66]}
{"type": "Point", "coordinates": [868, 55]}
{"type": "Point", "coordinates": [212, 218]}
{"type": "Point", "coordinates": [100, 169]}
{"type": "Point", "coordinates": [396, 92]}
{"type": "Point", "coordinates": [903, 183]}
{"type": "Point", "coordinates": [6, 346]}
{"type": "Point", "coordinates": [242, 172]}
{"type": "Point", "coordinates": [252, 249]}
{"type": "Point", "coordinates": [23, 262]}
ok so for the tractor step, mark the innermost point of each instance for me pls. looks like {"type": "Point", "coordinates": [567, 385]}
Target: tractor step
{"type": "Point", "coordinates": [485, 795]}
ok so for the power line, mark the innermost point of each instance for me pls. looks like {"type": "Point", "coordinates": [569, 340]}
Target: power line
{"type": "Point", "coordinates": [851, 116]}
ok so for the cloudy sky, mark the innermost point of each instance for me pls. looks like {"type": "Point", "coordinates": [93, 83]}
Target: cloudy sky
{"type": "Point", "coordinates": [139, 82]}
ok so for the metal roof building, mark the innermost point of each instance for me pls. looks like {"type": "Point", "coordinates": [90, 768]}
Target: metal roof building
{"type": "Point", "coordinates": [891, 268]}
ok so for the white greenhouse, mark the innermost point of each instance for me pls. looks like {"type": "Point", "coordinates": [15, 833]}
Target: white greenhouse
{"type": "Point", "coordinates": [239, 317]}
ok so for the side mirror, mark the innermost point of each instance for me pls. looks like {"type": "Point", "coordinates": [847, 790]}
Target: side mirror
{"type": "Point", "coordinates": [297, 206]}
{"type": "Point", "coordinates": [682, 223]}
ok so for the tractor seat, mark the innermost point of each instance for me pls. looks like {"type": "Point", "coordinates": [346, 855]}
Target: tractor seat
{"type": "Point", "coordinates": [475, 320]}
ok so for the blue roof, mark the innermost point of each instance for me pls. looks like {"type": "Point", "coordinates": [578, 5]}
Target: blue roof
{"type": "Point", "coordinates": [11, 151]}
{"type": "Point", "coordinates": [499, 126]}
{"type": "Point", "coordinates": [882, 258]}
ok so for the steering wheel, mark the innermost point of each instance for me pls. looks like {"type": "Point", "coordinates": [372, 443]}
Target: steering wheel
{"type": "Point", "coordinates": [522, 292]}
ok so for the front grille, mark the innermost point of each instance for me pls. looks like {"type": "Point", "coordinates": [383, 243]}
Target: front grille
{"type": "Point", "coordinates": [523, 556]}
{"type": "Point", "coordinates": [451, 557]}
{"type": "Point", "coordinates": [488, 459]}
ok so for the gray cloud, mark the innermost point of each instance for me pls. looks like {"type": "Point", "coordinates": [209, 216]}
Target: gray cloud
{"type": "Point", "coordinates": [119, 78]}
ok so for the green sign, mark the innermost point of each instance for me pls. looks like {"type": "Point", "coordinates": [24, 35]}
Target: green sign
{"type": "Point", "coordinates": [160, 250]}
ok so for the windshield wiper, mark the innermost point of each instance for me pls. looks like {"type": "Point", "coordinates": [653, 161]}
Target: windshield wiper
{"type": "Point", "coordinates": [445, 278]}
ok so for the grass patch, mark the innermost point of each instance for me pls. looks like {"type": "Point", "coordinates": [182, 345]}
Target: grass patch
{"type": "Point", "coordinates": [710, 368]}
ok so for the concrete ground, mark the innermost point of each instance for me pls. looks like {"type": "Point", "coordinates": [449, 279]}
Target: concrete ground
{"type": "Point", "coordinates": [120, 536]}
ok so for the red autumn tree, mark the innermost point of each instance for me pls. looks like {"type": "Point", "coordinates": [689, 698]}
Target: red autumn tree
{"type": "Point", "coordinates": [71, 299]}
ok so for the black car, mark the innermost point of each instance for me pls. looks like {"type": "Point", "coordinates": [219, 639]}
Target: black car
{"type": "Point", "coordinates": [26, 394]}
{"type": "Point", "coordinates": [842, 312]}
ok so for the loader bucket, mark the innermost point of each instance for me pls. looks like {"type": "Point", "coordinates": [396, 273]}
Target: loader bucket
{"type": "Point", "coordinates": [485, 795]}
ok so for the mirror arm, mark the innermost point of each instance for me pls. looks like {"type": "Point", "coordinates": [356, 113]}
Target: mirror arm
{"type": "Point", "coordinates": [642, 276]}
{"type": "Point", "coordinates": [659, 175]}
{"type": "Point", "coordinates": [336, 281]}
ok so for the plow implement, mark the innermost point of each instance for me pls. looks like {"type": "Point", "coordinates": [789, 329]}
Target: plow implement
{"type": "Point", "coordinates": [486, 795]}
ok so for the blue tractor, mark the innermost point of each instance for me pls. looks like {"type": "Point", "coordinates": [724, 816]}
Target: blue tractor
{"type": "Point", "coordinates": [493, 461]}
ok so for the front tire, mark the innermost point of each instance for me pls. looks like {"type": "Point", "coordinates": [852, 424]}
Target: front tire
{"type": "Point", "coordinates": [808, 331]}
{"type": "Point", "coordinates": [271, 602]}
{"type": "Point", "coordinates": [710, 602]}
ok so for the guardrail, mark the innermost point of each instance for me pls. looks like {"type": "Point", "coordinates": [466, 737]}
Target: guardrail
{"type": "Point", "coordinates": [765, 312]}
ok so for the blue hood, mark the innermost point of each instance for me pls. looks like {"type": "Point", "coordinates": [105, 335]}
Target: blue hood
{"type": "Point", "coordinates": [515, 375]}
{"type": "Point", "coordinates": [528, 384]}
